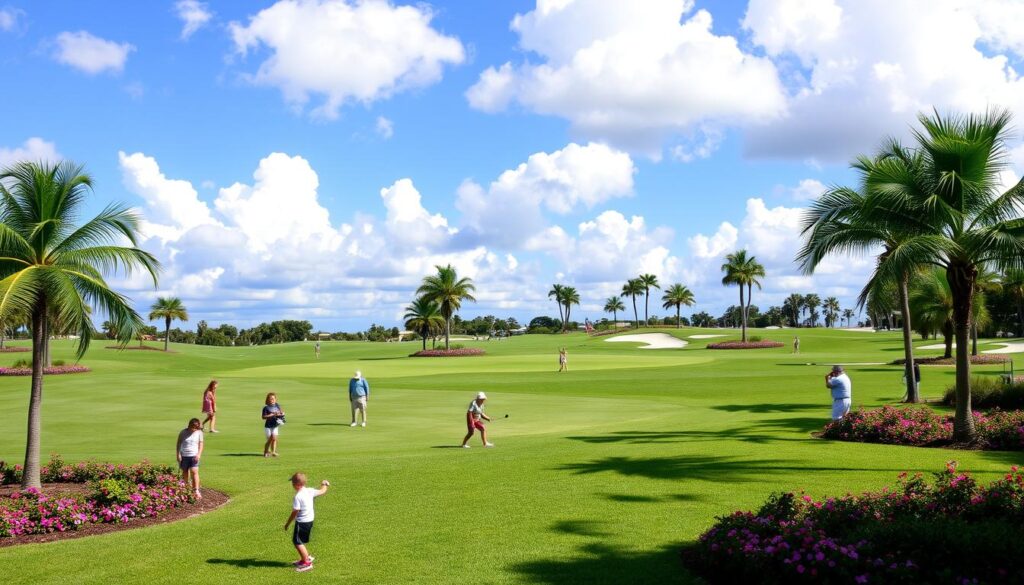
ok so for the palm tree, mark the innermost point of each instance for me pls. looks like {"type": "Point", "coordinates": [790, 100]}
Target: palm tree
{"type": "Point", "coordinates": [745, 272]}
{"type": "Point", "coordinates": [848, 315]}
{"type": "Point", "coordinates": [556, 293]}
{"type": "Point", "coordinates": [168, 309]}
{"type": "Point", "coordinates": [988, 283]}
{"type": "Point", "coordinates": [632, 288]}
{"type": "Point", "coordinates": [447, 290]}
{"type": "Point", "coordinates": [795, 303]}
{"type": "Point", "coordinates": [648, 280]}
{"type": "Point", "coordinates": [1013, 283]}
{"type": "Point", "coordinates": [811, 303]}
{"type": "Point", "coordinates": [831, 307]}
{"type": "Point", "coordinates": [676, 296]}
{"type": "Point", "coordinates": [48, 265]}
{"type": "Point", "coordinates": [945, 194]}
{"type": "Point", "coordinates": [931, 306]}
{"type": "Point", "coordinates": [423, 316]}
{"type": "Point", "coordinates": [569, 298]}
{"type": "Point", "coordinates": [613, 305]}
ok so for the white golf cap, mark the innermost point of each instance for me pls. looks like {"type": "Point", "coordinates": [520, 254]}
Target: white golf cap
{"type": "Point", "coordinates": [481, 396]}
{"type": "Point", "coordinates": [359, 374]}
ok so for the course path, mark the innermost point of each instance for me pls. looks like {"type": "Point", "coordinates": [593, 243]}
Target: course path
{"type": "Point", "coordinates": [653, 340]}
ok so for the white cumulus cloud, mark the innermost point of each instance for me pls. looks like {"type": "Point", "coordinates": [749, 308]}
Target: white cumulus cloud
{"type": "Point", "coordinates": [34, 149]}
{"type": "Point", "coordinates": [194, 14]}
{"type": "Point", "coordinates": [91, 54]}
{"type": "Point", "coordinates": [345, 51]}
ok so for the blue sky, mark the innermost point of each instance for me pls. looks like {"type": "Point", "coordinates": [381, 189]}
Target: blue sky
{"type": "Point", "coordinates": [573, 141]}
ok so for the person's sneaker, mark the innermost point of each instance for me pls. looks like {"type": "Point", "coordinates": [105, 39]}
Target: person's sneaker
{"type": "Point", "coordinates": [303, 567]}
{"type": "Point", "coordinates": [488, 444]}
{"type": "Point", "coordinates": [364, 424]}
{"type": "Point", "coordinates": [199, 496]}
{"type": "Point", "coordinates": [465, 446]}
{"type": "Point", "coordinates": [352, 425]}
{"type": "Point", "coordinates": [214, 431]}
{"type": "Point", "coordinates": [299, 562]}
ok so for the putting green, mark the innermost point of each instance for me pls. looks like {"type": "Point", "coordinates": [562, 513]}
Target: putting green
{"type": "Point", "coordinates": [598, 474]}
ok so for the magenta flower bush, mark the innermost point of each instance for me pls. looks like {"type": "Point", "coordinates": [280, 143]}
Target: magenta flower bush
{"type": "Point", "coordinates": [1002, 430]}
{"type": "Point", "coordinates": [118, 493]}
{"type": "Point", "coordinates": [51, 371]}
{"type": "Point", "coordinates": [765, 344]}
{"type": "Point", "coordinates": [952, 530]}
{"type": "Point", "coordinates": [464, 351]}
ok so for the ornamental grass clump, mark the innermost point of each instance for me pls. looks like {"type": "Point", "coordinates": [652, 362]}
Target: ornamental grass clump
{"type": "Point", "coordinates": [952, 530]}
{"type": "Point", "coordinates": [117, 494]}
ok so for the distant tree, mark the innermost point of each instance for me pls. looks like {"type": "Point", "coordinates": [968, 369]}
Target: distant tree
{"type": "Point", "coordinates": [848, 315]}
{"type": "Point", "coordinates": [831, 307]}
{"type": "Point", "coordinates": [631, 289]}
{"type": "Point", "coordinates": [613, 305]}
{"type": "Point", "coordinates": [447, 290]}
{"type": "Point", "coordinates": [168, 309]}
{"type": "Point", "coordinates": [648, 280]}
{"type": "Point", "coordinates": [701, 319]}
{"type": "Point", "coordinates": [676, 296]}
{"type": "Point", "coordinates": [556, 294]}
{"type": "Point", "coordinates": [811, 303]}
{"type": "Point", "coordinates": [424, 316]}
{"type": "Point", "coordinates": [570, 297]}
{"type": "Point", "coordinates": [742, 271]}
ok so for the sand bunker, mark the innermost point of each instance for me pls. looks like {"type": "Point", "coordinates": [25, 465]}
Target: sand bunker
{"type": "Point", "coordinates": [934, 346]}
{"type": "Point", "coordinates": [857, 329]}
{"type": "Point", "coordinates": [705, 336]}
{"type": "Point", "coordinates": [652, 340]}
{"type": "Point", "coordinates": [1014, 347]}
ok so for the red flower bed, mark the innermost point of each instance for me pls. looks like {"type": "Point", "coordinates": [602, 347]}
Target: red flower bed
{"type": "Point", "coordinates": [997, 430]}
{"type": "Point", "coordinates": [116, 494]}
{"type": "Point", "coordinates": [465, 351]}
{"type": "Point", "coordinates": [14, 349]}
{"type": "Point", "coordinates": [950, 531]}
{"type": "Point", "coordinates": [745, 344]}
{"type": "Point", "coordinates": [51, 371]}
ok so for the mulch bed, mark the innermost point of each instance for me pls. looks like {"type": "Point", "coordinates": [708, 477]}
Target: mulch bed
{"type": "Point", "coordinates": [51, 371]}
{"type": "Point", "coordinates": [978, 360]}
{"type": "Point", "coordinates": [745, 345]}
{"type": "Point", "coordinates": [14, 349]}
{"type": "Point", "coordinates": [212, 499]}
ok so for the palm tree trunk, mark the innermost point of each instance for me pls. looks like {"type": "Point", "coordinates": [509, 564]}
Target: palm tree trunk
{"type": "Point", "coordinates": [167, 333]}
{"type": "Point", "coordinates": [678, 326]}
{"type": "Point", "coordinates": [743, 316]}
{"type": "Point", "coordinates": [615, 318]}
{"type": "Point", "coordinates": [565, 325]}
{"type": "Point", "coordinates": [947, 338]}
{"type": "Point", "coordinates": [1020, 318]}
{"type": "Point", "coordinates": [425, 331]}
{"type": "Point", "coordinates": [30, 475]}
{"type": "Point", "coordinates": [908, 342]}
{"type": "Point", "coordinates": [636, 316]}
{"type": "Point", "coordinates": [447, 331]}
{"type": "Point", "coordinates": [961, 283]}
{"type": "Point", "coordinates": [559, 303]}
{"type": "Point", "coordinates": [974, 339]}
{"type": "Point", "coordinates": [647, 302]}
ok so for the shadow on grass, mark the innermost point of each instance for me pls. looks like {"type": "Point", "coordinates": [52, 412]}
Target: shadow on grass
{"type": "Point", "coordinates": [759, 433]}
{"type": "Point", "coordinates": [380, 359]}
{"type": "Point", "coordinates": [328, 425]}
{"type": "Point", "coordinates": [770, 407]}
{"type": "Point", "coordinates": [599, 563]}
{"type": "Point", "coordinates": [241, 455]}
{"type": "Point", "coordinates": [580, 527]}
{"type": "Point", "coordinates": [447, 447]}
{"type": "Point", "coordinates": [250, 563]}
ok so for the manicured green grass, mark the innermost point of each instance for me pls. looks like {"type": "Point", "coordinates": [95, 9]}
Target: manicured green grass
{"type": "Point", "coordinates": [598, 476]}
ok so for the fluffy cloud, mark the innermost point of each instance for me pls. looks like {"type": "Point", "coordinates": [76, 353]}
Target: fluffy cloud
{"type": "Point", "coordinates": [510, 209]}
{"type": "Point", "coordinates": [91, 54]}
{"type": "Point", "coordinates": [194, 14]}
{"type": "Point", "coordinates": [172, 205]}
{"type": "Point", "coordinates": [32, 150]}
{"type": "Point", "coordinates": [808, 190]}
{"type": "Point", "coordinates": [11, 19]}
{"type": "Point", "coordinates": [634, 74]}
{"type": "Point", "coordinates": [345, 51]}
{"type": "Point", "coordinates": [407, 221]}
{"type": "Point", "coordinates": [863, 69]}
{"type": "Point", "coordinates": [384, 127]}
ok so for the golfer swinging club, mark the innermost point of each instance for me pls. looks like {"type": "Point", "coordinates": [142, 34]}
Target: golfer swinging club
{"type": "Point", "coordinates": [473, 423]}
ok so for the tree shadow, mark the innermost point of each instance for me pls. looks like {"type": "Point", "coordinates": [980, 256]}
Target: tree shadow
{"type": "Point", "coordinates": [602, 564]}
{"type": "Point", "coordinates": [632, 498]}
{"type": "Point", "coordinates": [770, 407]}
{"type": "Point", "coordinates": [250, 563]}
{"type": "Point", "coordinates": [580, 528]}
{"type": "Point", "coordinates": [446, 447]}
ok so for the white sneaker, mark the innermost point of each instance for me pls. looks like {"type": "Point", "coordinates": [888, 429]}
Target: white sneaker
{"type": "Point", "coordinates": [465, 446]}
{"type": "Point", "coordinates": [364, 424]}
{"type": "Point", "coordinates": [488, 444]}
{"type": "Point", "coordinates": [352, 425]}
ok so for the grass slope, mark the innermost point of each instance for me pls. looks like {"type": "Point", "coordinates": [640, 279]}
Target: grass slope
{"type": "Point", "coordinates": [598, 475]}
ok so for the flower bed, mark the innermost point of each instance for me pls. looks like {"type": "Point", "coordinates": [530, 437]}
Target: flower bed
{"type": "Point", "coordinates": [764, 344]}
{"type": "Point", "coordinates": [997, 430]}
{"type": "Point", "coordinates": [464, 351]}
{"type": "Point", "coordinates": [51, 371]}
{"type": "Point", "coordinates": [978, 360]}
{"type": "Point", "coordinates": [115, 494]}
{"type": "Point", "coordinates": [952, 530]}
{"type": "Point", "coordinates": [10, 349]}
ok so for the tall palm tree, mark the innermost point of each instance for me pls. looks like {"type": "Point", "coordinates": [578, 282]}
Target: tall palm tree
{"type": "Point", "coordinates": [48, 264]}
{"type": "Point", "coordinates": [447, 290]}
{"type": "Point", "coordinates": [811, 303]}
{"type": "Point", "coordinates": [632, 288]}
{"type": "Point", "coordinates": [423, 316]}
{"type": "Point", "coordinates": [676, 296]}
{"type": "Point", "coordinates": [569, 298]}
{"type": "Point", "coordinates": [848, 315]}
{"type": "Point", "coordinates": [795, 303]}
{"type": "Point", "coordinates": [1013, 283]}
{"type": "Point", "coordinates": [946, 193]}
{"type": "Point", "coordinates": [556, 293]}
{"type": "Point", "coordinates": [742, 271]}
{"type": "Point", "coordinates": [168, 309]}
{"type": "Point", "coordinates": [931, 306]}
{"type": "Point", "coordinates": [648, 280]}
{"type": "Point", "coordinates": [613, 305]}
{"type": "Point", "coordinates": [831, 307]}
{"type": "Point", "coordinates": [988, 283]}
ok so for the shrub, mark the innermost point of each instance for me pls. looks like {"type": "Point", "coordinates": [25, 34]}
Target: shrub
{"type": "Point", "coordinates": [51, 371]}
{"type": "Point", "coordinates": [754, 338]}
{"type": "Point", "coordinates": [920, 426]}
{"type": "Point", "coordinates": [951, 530]}
{"type": "Point", "coordinates": [990, 392]}
{"type": "Point", "coordinates": [112, 491]}
{"type": "Point", "coordinates": [759, 344]}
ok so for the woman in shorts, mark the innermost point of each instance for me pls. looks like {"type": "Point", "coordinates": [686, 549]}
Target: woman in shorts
{"type": "Point", "coordinates": [210, 406]}
{"type": "Point", "coordinates": [189, 449]}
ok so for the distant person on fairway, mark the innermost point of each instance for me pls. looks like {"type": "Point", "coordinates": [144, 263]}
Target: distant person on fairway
{"type": "Point", "coordinates": [563, 360]}
{"type": "Point", "coordinates": [842, 391]}
{"type": "Point", "coordinates": [189, 449]}
{"type": "Point", "coordinates": [473, 422]}
{"type": "Point", "coordinates": [273, 418]}
{"type": "Point", "coordinates": [358, 394]}
{"type": "Point", "coordinates": [210, 406]}
{"type": "Point", "coordinates": [302, 514]}
{"type": "Point", "coordinates": [796, 344]}
{"type": "Point", "coordinates": [316, 349]}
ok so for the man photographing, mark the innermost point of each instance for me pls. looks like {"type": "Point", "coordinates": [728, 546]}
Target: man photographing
{"type": "Point", "coordinates": [842, 391]}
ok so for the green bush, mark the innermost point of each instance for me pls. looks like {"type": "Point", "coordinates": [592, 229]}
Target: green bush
{"type": "Point", "coordinates": [754, 338]}
{"type": "Point", "coordinates": [112, 491]}
{"type": "Point", "coordinates": [23, 363]}
{"type": "Point", "coordinates": [990, 392]}
{"type": "Point", "coordinates": [457, 346]}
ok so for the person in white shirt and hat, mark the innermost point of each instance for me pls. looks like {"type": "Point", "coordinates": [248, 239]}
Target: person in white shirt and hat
{"type": "Point", "coordinates": [473, 420]}
{"type": "Point", "coordinates": [358, 394]}
{"type": "Point", "coordinates": [841, 387]}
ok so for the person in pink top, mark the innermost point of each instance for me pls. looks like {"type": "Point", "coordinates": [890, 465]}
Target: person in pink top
{"type": "Point", "coordinates": [210, 406]}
